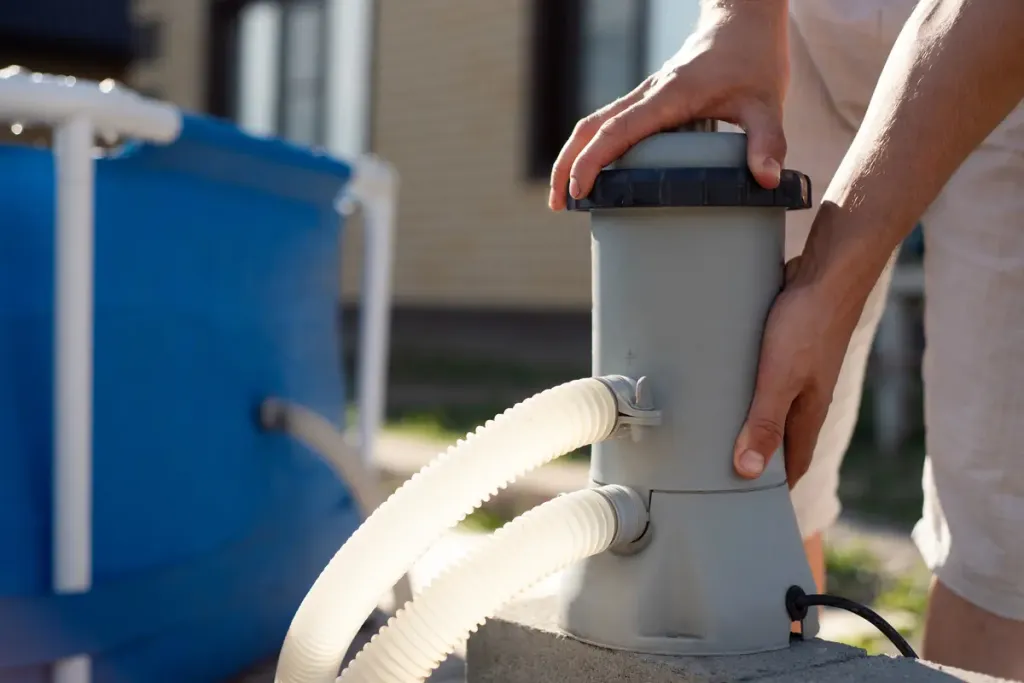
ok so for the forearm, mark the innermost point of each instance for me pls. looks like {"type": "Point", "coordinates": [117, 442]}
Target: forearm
{"type": "Point", "coordinates": [955, 72]}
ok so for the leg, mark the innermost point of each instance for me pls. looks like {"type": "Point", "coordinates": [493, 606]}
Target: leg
{"type": "Point", "coordinates": [961, 634]}
{"type": "Point", "coordinates": [814, 548]}
{"type": "Point", "coordinates": [819, 135]}
{"type": "Point", "coordinates": [971, 533]}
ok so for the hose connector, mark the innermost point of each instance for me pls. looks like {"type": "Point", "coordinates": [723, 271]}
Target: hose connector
{"type": "Point", "coordinates": [272, 415]}
{"type": "Point", "coordinates": [634, 403]}
{"type": "Point", "coordinates": [631, 514]}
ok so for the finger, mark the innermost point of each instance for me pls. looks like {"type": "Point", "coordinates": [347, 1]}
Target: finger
{"type": "Point", "coordinates": [792, 268]}
{"type": "Point", "coordinates": [766, 142]}
{"type": "Point", "coordinates": [806, 416]}
{"type": "Point", "coordinates": [582, 134]}
{"type": "Point", "coordinates": [584, 131]}
{"type": "Point", "coordinates": [762, 433]}
{"type": "Point", "coordinates": [641, 119]}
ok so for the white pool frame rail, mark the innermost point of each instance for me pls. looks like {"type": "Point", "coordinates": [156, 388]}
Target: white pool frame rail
{"type": "Point", "coordinates": [79, 111]}
{"type": "Point", "coordinates": [374, 188]}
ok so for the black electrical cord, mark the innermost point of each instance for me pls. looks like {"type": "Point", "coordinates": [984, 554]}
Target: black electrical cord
{"type": "Point", "coordinates": [798, 603]}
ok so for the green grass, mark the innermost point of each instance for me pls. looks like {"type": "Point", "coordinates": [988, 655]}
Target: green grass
{"type": "Point", "coordinates": [425, 369]}
{"type": "Point", "coordinates": [452, 421]}
{"type": "Point", "coordinates": [906, 594]}
{"type": "Point", "coordinates": [883, 488]}
{"type": "Point", "coordinates": [446, 423]}
{"type": "Point", "coordinates": [857, 574]}
{"type": "Point", "coordinates": [483, 520]}
{"type": "Point", "coordinates": [854, 573]}
{"type": "Point", "coordinates": [463, 371]}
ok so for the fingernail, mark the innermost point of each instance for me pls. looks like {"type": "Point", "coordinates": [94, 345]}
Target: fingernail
{"type": "Point", "coordinates": [574, 188]}
{"type": "Point", "coordinates": [751, 463]}
{"type": "Point", "coordinates": [772, 167]}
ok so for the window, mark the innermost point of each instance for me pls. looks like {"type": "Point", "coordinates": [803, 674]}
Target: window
{"type": "Point", "coordinates": [611, 57]}
{"type": "Point", "coordinates": [297, 69]}
{"type": "Point", "coordinates": [147, 37]}
{"type": "Point", "coordinates": [276, 61]}
{"type": "Point", "coordinates": [255, 80]}
{"type": "Point", "coordinates": [586, 53]}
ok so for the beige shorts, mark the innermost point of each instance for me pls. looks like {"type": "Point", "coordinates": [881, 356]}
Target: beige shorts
{"type": "Point", "coordinates": [971, 533]}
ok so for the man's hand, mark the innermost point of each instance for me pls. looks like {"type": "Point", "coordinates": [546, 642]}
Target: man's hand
{"type": "Point", "coordinates": [955, 72]}
{"type": "Point", "coordinates": [734, 68]}
{"type": "Point", "coordinates": [805, 341]}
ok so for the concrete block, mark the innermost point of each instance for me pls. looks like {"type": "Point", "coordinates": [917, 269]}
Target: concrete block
{"type": "Point", "coordinates": [524, 645]}
{"type": "Point", "coordinates": [885, 670]}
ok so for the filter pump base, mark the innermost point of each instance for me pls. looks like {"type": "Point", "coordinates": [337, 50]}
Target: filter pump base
{"type": "Point", "coordinates": [694, 590]}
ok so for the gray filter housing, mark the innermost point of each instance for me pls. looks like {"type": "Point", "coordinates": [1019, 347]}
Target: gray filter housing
{"type": "Point", "coordinates": [687, 260]}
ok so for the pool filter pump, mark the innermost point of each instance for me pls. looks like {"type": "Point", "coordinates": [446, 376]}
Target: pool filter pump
{"type": "Point", "coordinates": [668, 551]}
{"type": "Point", "coordinates": [687, 260]}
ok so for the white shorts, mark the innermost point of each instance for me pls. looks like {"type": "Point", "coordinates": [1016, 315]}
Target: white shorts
{"type": "Point", "coordinates": [971, 533]}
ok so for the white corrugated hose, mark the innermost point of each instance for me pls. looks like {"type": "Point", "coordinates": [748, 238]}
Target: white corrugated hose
{"type": "Point", "coordinates": [527, 550]}
{"type": "Point", "coordinates": [528, 435]}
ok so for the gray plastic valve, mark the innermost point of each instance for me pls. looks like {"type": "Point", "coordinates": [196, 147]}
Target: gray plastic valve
{"type": "Point", "coordinates": [687, 260]}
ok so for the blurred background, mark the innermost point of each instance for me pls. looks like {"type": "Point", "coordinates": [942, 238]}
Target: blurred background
{"type": "Point", "coordinates": [470, 101]}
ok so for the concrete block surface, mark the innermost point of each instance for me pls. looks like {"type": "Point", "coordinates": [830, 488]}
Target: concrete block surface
{"type": "Point", "coordinates": [885, 670]}
{"type": "Point", "coordinates": [524, 645]}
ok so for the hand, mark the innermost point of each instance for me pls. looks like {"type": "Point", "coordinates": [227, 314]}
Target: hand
{"type": "Point", "coordinates": [734, 68]}
{"type": "Point", "coordinates": [802, 351]}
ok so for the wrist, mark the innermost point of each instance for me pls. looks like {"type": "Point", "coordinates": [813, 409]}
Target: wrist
{"type": "Point", "coordinates": [844, 257]}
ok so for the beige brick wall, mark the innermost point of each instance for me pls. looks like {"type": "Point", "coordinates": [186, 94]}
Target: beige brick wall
{"type": "Point", "coordinates": [179, 74]}
{"type": "Point", "coordinates": [451, 105]}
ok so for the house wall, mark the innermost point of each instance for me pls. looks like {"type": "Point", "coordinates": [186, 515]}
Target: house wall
{"type": "Point", "coordinates": [179, 69]}
{"type": "Point", "coordinates": [450, 112]}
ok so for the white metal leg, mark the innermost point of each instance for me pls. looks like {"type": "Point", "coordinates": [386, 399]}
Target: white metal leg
{"type": "Point", "coordinates": [73, 372]}
{"type": "Point", "coordinates": [375, 187]}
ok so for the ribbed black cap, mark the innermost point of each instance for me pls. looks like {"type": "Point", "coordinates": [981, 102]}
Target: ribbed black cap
{"type": "Point", "coordinates": [680, 187]}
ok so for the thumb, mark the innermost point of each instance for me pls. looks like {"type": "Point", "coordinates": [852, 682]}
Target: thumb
{"type": "Point", "coordinates": [766, 142]}
{"type": "Point", "coordinates": [762, 433]}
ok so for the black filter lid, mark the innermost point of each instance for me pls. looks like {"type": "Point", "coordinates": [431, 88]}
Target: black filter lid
{"type": "Point", "coordinates": [680, 187]}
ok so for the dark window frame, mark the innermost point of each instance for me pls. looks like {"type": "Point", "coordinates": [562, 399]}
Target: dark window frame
{"type": "Point", "coordinates": [223, 47]}
{"type": "Point", "coordinates": [147, 40]}
{"type": "Point", "coordinates": [221, 90]}
{"type": "Point", "coordinates": [319, 77]}
{"type": "Point", "coordinates": [554, 87]}
{"type": "Point", "coordinates": [221, 87]}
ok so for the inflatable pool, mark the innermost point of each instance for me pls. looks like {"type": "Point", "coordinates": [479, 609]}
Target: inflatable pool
{"type": "Point", "coordinates": [216, 280]}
